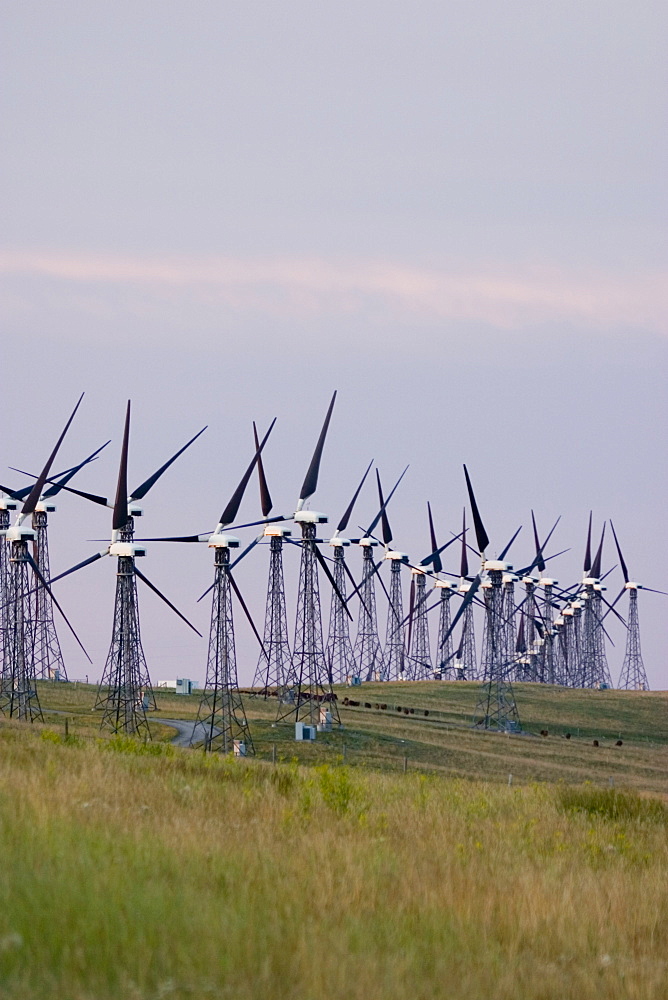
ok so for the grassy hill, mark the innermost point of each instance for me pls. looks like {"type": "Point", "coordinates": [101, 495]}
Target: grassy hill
{"type": "Point", "coordinates": [443, 741]}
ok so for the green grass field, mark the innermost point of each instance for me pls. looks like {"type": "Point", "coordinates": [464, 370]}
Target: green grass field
{"type": "Point", "coordinates": [143, 871]}
{"type": "Point", "coordinates": [149, 872]}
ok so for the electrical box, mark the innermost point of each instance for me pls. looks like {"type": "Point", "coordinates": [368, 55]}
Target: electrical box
{"type": "Point", "coordinates": [354, 681]}
{"type": "Point", "coordinates": [304, 732]}
{"type": "Point", "coordinates": [239, 748]}
{"type": "Point", "coordinates": [183, 685]}
{"type": "Point", "coordinates": [325, 725]}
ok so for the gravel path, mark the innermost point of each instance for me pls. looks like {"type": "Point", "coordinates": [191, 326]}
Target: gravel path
{"type": "Point", "coordinates": [186, 731]}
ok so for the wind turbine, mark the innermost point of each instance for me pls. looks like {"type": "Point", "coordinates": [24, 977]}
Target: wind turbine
{"type": "Point", "coordinates": [125, 693]}
{"type": "Point", "coordinates": [18, 695]}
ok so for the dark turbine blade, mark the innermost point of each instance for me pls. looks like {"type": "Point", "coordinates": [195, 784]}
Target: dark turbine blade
{"type": "Point", "coordinates": [470, 594]}
{"type": "Point", "coordinates": [246, 611]}
{"type": "Point", "coordinates": [596, 565]}
{"type": "Point", "coordinates": [383, 506]}
{"type": "Point", "coordinates": [38, 574]}
{"type": "Point", "coordinates": [480, 533]}
{"type": "Point", "coordinates": [464, 565]}
{"type": "Point", "coordinates": [435, 552]}
{"type": "Point", "coordinates": [230, 512]}
{"type": "Point", "coordinates": [619, 553]}
{"type": "Point", "coordinates": [587, 559]}
{"type": "Point", "coordinates": [121, 517]}
{"type": "Point", "coordinates": [507, 548]}
{"type": "Point", "coordinates": [343, 523]}
{"type": "Point", "coordinates": [332, 581]}
{"type": "Point", "coordinates": [142, 490]}
{"type": "Point", "coordinates": [265, 496]}
{"type": "Point", "coordinates": [311, 480]}
{"type": "Point", "coordinates": [540, 564]}
{"type": "Point", "coordinates": [73, 569]}
{"type": "Point", "coordinates": [384, 520]}
{"type": "Point", "coordinates": [162, 597]}
{"type": "Point", "coordinates": [36, 491]}
{"type": "Point", "coordinates": [65, 478]}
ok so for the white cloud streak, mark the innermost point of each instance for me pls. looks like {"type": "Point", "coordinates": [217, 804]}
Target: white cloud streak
{"type": "Point", "coordinates": [514, 297]}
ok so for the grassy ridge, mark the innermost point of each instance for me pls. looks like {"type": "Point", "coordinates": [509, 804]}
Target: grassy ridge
{"type": "Point", "coordinates": [184, 876]}
{"type": "Point", "coordinates": [443, 741]}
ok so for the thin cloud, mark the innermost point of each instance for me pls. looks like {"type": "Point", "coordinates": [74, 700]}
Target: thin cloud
{"type": "Point", "coordinates": [503, 297]}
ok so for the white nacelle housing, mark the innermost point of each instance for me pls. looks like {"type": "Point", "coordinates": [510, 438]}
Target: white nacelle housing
{"type": "Point", "coordinates": [20, 533]}
{"type": "Point", "coordinates": [546, 581]}
{"type": "Point", "coordinates": [276, 531]}
{"type": "Point", "coordinates": [219, 540]}
{"type": "Point", "coordinates": [134, 510]}
{"type": "Point", "coordinates": [310, 517]}
{"type": "Point", "coordinates": [367, 543]}
{"type": "Point", "coordinates": [396, 556]}
{"type": "Point", "coordinates": [496, 565]}
{"type": "Point", "coordinates": [45, 507]}
{"type": "Point", "coordinates": [632, 586]}
{"type": "Point", "coordinates": [338, 542]}
{"type": "Point", "coordinates": [6, 503]}
{"type": "Point", "coordinates": [128, 549]}
{"type": "Point", "coordinates": [589, 581]}
{"type": "Point", "coordinates": [445, 585]}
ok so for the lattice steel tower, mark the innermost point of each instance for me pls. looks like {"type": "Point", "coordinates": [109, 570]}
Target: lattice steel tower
{"type": "Point", "coordinates": [125, 693]}
{"type": "Point", "coordinates": [419, 653]}
{"type": "Point", "coordinates": [19, 694]}
{"type": "Point", "coordinates": [445, 667]}
{"type": "Point", "coordinates": [395, 635]}
{"type": "Point", "coordinates": [341, 663]}
{"type": "Point", "coordinates": [6, 505]}
{"type": "Point", "coordinates": [496, 708]}
{"type": "Point", "coordinates": [633, 676]}
{"type": "Point", "coordinates": [49, 663]}
{"type": "Point", "coordinates": [274, 664]}
{"type": "Point", "coordinates": [221, 716]}
{"type": "Point", "coordinates": [466, 658]}
{"type": "Point", "coordinates": [367, 651]}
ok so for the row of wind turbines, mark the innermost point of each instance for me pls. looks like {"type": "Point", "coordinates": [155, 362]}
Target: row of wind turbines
{"type": "Point", "coordinates": [548, 634]}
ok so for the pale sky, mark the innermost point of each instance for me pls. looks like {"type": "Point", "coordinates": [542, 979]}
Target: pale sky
{"type": "Point", "coordinates": [453, 213]}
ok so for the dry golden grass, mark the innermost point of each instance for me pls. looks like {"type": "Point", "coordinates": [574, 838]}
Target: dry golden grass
{"type": "Point", "coordinates": [185, 876]}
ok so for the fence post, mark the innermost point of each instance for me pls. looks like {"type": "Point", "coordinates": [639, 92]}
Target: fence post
{"type": "Point", "coordinates": [343, 753]}
{"type": "Point", "coordinates": [405, 764]}
{"type": "Point", "coordinates": [273, 753]}
{"type": "Point", "coordinates": [67, 729]}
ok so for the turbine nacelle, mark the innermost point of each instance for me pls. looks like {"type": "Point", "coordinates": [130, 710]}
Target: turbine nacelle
{"type": "Point", "coordinates": [6, 503]}
{"type": "Point", "coordinates": [367, 543]}
{"type": "Point", "coordinates": [339, 542]}
{"type": "Point", "coordinates": [496, 566]}
{"type": "Point", "coordinates": [19, 533]}
{"type": "Point", "coordinates": [509, 578]}
{"type": "Point", "coordinates": [134, 510]}
{"type": "Point", "coordinates": [276, 531]}
{"type": "Point", "coordinates": [219, 540]}
{"type": "Point", "coordinates": [395, 556]}
{"type": "Point", "coordinates": [632, 586]}
{"type": "Point", "coordinates": [44, 507]}
{"type": "Point", "coordinates": [445, 585]}
{"type": "Point", "coordinates": [126, 550]}
{"type": "Point", "coordinates": [310, 517]}
{"type": "Point", "coordinates": [547, 581]}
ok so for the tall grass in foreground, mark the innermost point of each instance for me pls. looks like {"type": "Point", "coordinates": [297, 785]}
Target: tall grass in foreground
{"type": "Point", "coordinates": [136, 875]}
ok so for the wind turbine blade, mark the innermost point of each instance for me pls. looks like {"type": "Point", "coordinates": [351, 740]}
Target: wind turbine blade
{"type": "Point", "coordinates": [36, 491]}
{"type": "Point", "coordinates": [179, 538]}
{"type": "Point", "coordinates": [438, 565]}
{"type": "Point", "coordinates": [207, 591]}
{"type": "Point", "coordinates": [149, 483]}
{"type": "Point", "coordinates": [431, 557]}
{"type": "Point", "coordinates": [386, 530]}
{"type": "Point", "coordinates": [332, 581]}
{"type": "Point", "coordinates": [352, 580]}
{"type": "Point", "coordinates": [540, 565]}
{"type": "Point", "coordinates": [650, 590]}
{"type": "Point", "coordinates": [482, 538]}
{"type": "Point", "coordinates": [73, 569]}
{"type": "Point", "coordinates": [383, 505]}
{"type": "Point", "coordinates": [246, 611]}
{"type": "Point", "coordinates": [38, 574]}
{"type": "Point", "coordinates": [411, 609]}
{"type": "Point", "coordinates": [505, 551]}
{"type": "Point", "coordinates": [232, 509]}
{"type": "Point", "coordinates": [246, 551]}
{"type": "Point", "coordinates": [265, 496]}
{"type": "Point", "coordinates": [468, 597]}
{"type": "Point", "coordinates": [62, 480]}
{"type": "Point", "coordinates": [464, 564]}
{"type": "Point", "coordinates": [162, 597]}
{"type": "Point", "coordinates": [619, 552]}
{"type": "Point", "coordinates": [120, 516]}
{"type": "Point", "coordinates": [310, 483]}
{"type": "Point", "coordinates": [596, 565]}
{"type": "Point", "coordinates": [343, 523]}
{"type": "Point", "coordinates": [587, 559]}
